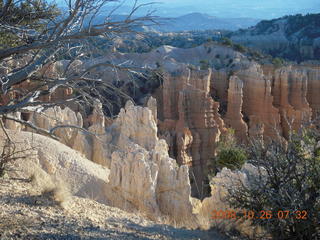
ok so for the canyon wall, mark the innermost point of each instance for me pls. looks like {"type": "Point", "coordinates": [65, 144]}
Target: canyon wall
{"type": "Point", "coordinates": [254, 102]}
{"type": "Point", "coordinates": [139, 174]}
{"type": "Point", "coordinates": [191, 123]}
{"type": "Point", "coordinates": [194, 107]}
{"type": "Point", "coordinates": [154, 159]}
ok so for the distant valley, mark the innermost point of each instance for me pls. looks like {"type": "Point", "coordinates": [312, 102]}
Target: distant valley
{"type": "Point", "coordinates": [190, 22]}
{"type": "Point", "coordinates": [201, 22]}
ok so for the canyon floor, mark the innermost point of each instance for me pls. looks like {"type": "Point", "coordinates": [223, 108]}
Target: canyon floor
{"type": "Point", "coordinates": [25, 213]}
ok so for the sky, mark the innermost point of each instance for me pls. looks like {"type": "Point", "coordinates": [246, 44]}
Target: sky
{"type": "Point", "coordinates": [262, 9]}
{"type": "Point", "coordinates": [259, 9]}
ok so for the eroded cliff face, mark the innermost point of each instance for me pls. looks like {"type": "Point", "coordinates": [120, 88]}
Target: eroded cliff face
{"type": "Point", "coordinates": [256, 101]}
{"type": "Point", "coordinates": [290, 96]}
{"type": "Point", "coordinates": [191, 123]}
{"type": "Point", "coordinates": [234, 116]}
{"type": "Point", "coordinates": [138, 176]}
{"type": "Point", "coordinates": [141, 175]}
{"type": "Point", "coordinates": [142, 169]}
{"type": "Point", "coordinates": [194, 107]}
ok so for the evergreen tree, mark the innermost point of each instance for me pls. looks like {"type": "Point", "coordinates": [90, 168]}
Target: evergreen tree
{"type": "Point", "coordinates": [21, 20]}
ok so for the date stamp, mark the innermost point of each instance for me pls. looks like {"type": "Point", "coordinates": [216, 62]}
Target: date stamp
{"type": "Point", "coordinates": [250, 214]}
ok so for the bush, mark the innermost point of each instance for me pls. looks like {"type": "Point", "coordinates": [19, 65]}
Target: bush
{"type": "Point", "coordinates": [9, 152]}
{"type": "Point", "coordinates": [31, 14]}
{"type": "Point", "coordinates": [209, 40]}
{"type": "Point", "coordinates": [239, 48]}
{"type": "Point", "coordinates": [226, 41]}
{"type": "Point", "coordinates": [278, 62]}
{"type": "Point", "coordinates": [204, 64]}
{"type": "Point", "coordinates": [7, 156]}
{"type": "Point", "coordinates": [57, 193]}
{"type": "Point", "coordinates": [231, 157]}
{"type": "Point", "coordinates": [229, 154]}
{"type": "Point", "coordinates": [287, 182]}
{"type": "Point", "coordinates": [192, 67]}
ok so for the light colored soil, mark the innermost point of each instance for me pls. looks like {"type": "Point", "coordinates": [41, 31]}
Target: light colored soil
{"type": "Point", "coordinates": [26, 214]}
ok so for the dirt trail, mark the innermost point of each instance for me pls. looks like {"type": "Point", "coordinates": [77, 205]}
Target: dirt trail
{"type": "Point", "coordinates": [26, 214]}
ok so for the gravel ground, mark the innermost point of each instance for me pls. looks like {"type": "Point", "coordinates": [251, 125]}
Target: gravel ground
{"type": "Point", "coordinates": [25, 213]}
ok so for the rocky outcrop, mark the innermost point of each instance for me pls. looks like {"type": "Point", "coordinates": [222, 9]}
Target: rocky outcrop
{"type": "Point", "coordinates": [49, 159]}
{"type": "Point", "coordinates": [234, 116]}
{"type": "Point", "coordinates": [142, 169]}
{"type": "Point", "coordinates": [56, 116]}
{"type": "Point", "coordinates": [228, 180]}
{"type": "Point", "coordinates": [68, 126]}
{"type": "Point", "coordinates": [258, 101]}
{"type": "Point", "coordinates": [52, 70]}
{"type": "Point", "coordinates": [191, 116]}
{"type": "Point", "coordinates": [313, 85]}
{"type": "Point", "coordinates": [98, 138]}
{"type": "Point", "coordinates": [149, 182]}
{"type": "Point", "coordinates": [11, 124]}
{"type": "Point", "coordinates": [290, 97]}
{"type": "Point", "coordinates": [241, 94]}
{"type": "Point", "coordinates": [140, 175]}
{"type": "Point", "coordinates": [194, 106]}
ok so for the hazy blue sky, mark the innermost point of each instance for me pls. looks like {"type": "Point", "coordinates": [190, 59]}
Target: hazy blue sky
{"type": "Point", "coordinates": [241, 8]}
{"type": "Point", "coordinates": [262, 9]}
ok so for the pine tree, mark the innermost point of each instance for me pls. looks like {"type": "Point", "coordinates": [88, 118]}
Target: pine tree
{"type": "Point", "coordinates": [26, 17]}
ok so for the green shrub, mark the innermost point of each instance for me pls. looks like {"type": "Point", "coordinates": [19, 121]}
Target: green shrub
{"type": "Point", "coordinates": [278, 62]}
{"type": "Point", "coordinates": [226, 41]}
{"type": "Point", "coordinates": [28, 14]}
{"type": "Point", "coordinates": [239, 48]}
{"type": "Point", "coordinates": [229, 154]}
{"type": "Point", "coordinates": [317, 153]}
{"type": "Point", "coordinates": [192, 67]}
{"type": "Point", "coordinates": [231, 157]}
{"type": "Point", "coordinates": [209, 40]}
{"type": "Point", "coordinates": [204, 64]}
{"type": "Point", "coordinates": [287, 180]}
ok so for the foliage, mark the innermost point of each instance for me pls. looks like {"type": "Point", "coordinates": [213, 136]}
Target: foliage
{"type": "Point", "coordinates": [54, 51]}
{"type": "Point", "coordinates": [27, 12]}
{"type": "Point", "coordinates": [226, 41]}
{"type": "Point", "coordinates": [9, 154]}
{"type": "Point", "coordinates": [231, 157]}
{"type": "Point", "coordinates": [5, 157]}
{"type": "Point", "coordinates": [287, 180]}
{"type": "Point", "coordinates": [229, 154]}
{"type": "Point", "coordinates": [29, 15]}
{"type": "Point", "coordinates": [230, 62]}
{"type": "Point", "coordinates": [299, 30]}
{"type": "Point", "coordinates": [204, 64]}
{"type": "Point", "coordinates": [239, 48]}
{"type": "Point", "coordinates": [264, 26]}
{"type": "Point", "coordinates": [298, 22]}
{"type": "Point", "coordinates": [278, 62]}
{"type": "Point", "coordinates": [192, 67]}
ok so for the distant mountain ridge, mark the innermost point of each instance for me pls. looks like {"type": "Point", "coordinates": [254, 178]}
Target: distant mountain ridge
{"type": "Point", "coordinates": [189, 22]}
{"type": "Point", "coordinates": [200, 22]}
{"type": "Point", "coordinates": [295, 37]}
